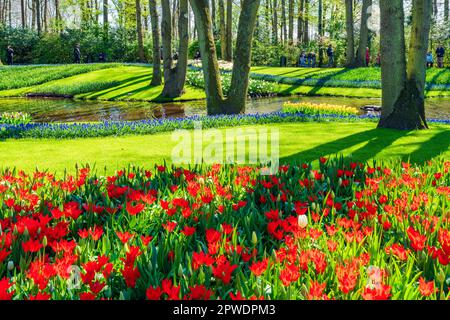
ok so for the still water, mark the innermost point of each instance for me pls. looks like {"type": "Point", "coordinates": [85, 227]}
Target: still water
{"type": "Point", "coordinates": [54, 110]}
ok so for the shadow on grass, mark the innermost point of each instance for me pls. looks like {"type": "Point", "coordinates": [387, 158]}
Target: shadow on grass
{"type": "Point", "coordinates": [122, 84]}
{"type": "Point", "coordinates": [433, 147]}
{"type": "Point", "coordinates": [377, 140]}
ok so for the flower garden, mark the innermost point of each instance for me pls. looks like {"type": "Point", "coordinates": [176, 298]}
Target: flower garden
{"type": "Point", "coordinates": [342, 230]}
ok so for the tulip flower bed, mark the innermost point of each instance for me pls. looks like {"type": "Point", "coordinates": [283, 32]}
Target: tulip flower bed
{"type": "Point", "coordinates": [339, 231]}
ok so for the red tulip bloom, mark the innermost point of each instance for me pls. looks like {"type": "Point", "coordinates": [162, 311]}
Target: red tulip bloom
{"type": "Point", "coordinates": [289, 274]}
{"type": "Point", "coordinates": [316, 291]}
{"type": "Point", "coordinates": [223, 271]}
{"type": "Point", "coordinates": [31, 245]}
{"type": "Point", "coordinates": [258, 268]}
{"type": "Point", "coordinates": [5, 292]}
{"type": "Point", "coordinates": [87, 296]}
{"type": "Point", "coordinates": [417, 240]}
{"type": "Point", "coordinates": [3, 254]}
{"type": "Point", "coordinates": [188, 231]}
{"type": "Point", "coordinates": [124, 237]}
{"type": "Point", "coordinates": [200, 259]}
{"type": "Point", "coordinates": [134, 210]}
{"type": "Point", "coordinates": [426, 288]}
{"type": "Point", "coordinates": [199, 292]}
{"type": "Point", "coordinates": [96, 233]}
{"type": "Point", "coordinates": [130, 275]}
{"type": "Point", "coordinates": [380, 292]}
{"type": "Point", "coordinates": [154, 293]}
{"type": "Point", "coordinates": [41, 296]}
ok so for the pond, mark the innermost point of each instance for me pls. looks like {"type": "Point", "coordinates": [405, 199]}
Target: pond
{"type": "Point", "coordinates": [54, 110]}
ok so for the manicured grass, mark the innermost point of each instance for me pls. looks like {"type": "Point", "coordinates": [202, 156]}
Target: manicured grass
{"type": "Point", "coordinates": [24, 76]}
{"type": "Point", "coordinates": [298, 143]}
{"type": "Point", "coordinates": [125, 83]}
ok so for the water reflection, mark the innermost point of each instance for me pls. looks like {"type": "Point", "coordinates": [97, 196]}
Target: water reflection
{"type": "Point", "coordinates": [54, 110]}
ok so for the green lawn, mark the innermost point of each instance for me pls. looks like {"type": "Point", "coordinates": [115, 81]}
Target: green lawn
{"type": "Point", "coordinates": [118, 83]}
{"type": "Point", "coordinates": [298, 142]}
{"type": "Point", "coordinates": [131, 82]}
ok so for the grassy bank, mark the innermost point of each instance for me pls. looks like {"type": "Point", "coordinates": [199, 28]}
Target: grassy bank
{"type": "Point", "coordinates": [131, 82]}
{"type": "Point", "coordinates": [298, 143]}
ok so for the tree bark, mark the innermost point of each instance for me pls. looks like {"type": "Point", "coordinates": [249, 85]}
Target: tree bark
{"type": "Point", "coordinates": [350, 51]}
{"type": "Point", "coordinates": [364, 34]}
{"type": "Point", "coordinates": [306, 27]}
{"type": "Point", "coordinates": [215, 101]}
{"type": "Point", "coordinates": [140, 33]}
{"type": "Point", "coordinates": [320, 30]}
{"type": "Point", "coordinates": [403, 90]}
{"type": "Point", "coordinates": [291, 21]}
{"type": "Point", "coordinates": [22, 13]}
{"type": "Point", "coordinates": [300, 22]}
{"type": "Point", "coordinates": [223, 32]}
{"type": "Point", "coordinates": [275, 22]}
{"type": "Point", "coordinates": [174, 77]}
{"type": "Point", "coordinates": [229, 39]}
{"type": "Point", "coordinates": [105, 18]}
{"type": "Point", "coordinates": [156, 76]}
{"type": "Point", "coordinates": [283, 21]}
{"type": "Point", "coordinates": [38, 16]}
{"type": "Point", "coordinates": [446, 10]}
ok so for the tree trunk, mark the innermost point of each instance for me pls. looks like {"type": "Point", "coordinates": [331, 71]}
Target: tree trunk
{"type": "Point", "coordinates": [300, 22]}
{"type": "Point", "coordinates": [306, 27]}
{"type": "Point", "coordinates": [156, 76]}
{"type": "Point", "coordinates": [105, 19]}
{"type": "Point", "coordinates": [275, 22]}
{"type": "Point", "coordinates": [140, 33]}
{"type": "Point", "coordinates": [38, 16]}
{"type": "Point", "coordinates": [215, 102]}
{"type": "Point", "coordinates": [446, 9]}
{"type": "Point", "coordinates": [291, 21]}
{"type": "Point", "coordinates": [22, 13]}
{"type": "Point", "coordinates": [213, 14]}
{"type": "Point", "coordinates": [320, 30]}
{"type": "Point", "coordinates": [45, 16]}
{"type": "Point", "coordinates": [229, 39]}
{"type": "Point", "coordinates": [364, 34]}
{"type": "Point", "coordinates": [174, 77]}
{"type": "Point", "coordinates": [223, 32]}
{"type": "Point", "coordinates": [283, 21]}
{"type": "Point", "coordinates": [403, 92]}
{"type": "Point", "coordinates": [350, 59]}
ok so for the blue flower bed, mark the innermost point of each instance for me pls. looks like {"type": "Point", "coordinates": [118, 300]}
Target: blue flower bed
{"type": "Point", "coordinates": [119, 128]}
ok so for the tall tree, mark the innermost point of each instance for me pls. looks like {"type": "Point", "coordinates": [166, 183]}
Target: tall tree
{"type": "Point", "coordinates": [156, 75]}
{"type": "Point", "coordinates": [174, 77]}
{"type": "Point", "coordinates": [364, 33]}
{"type": "Point", "coordinates": [105, 18]}
{"type": "Point", "coordinates": [291, 21]}
{"type": "Point", "coordinates": [283, 21]}
{"type": "Point", "coordinates": [235, 102]}
{"type": "Point", "coordinates": [306, 19]}
{"type": "Point", "coordinates": [446, 10]}
{"type": "Point", "coordinates": [275, 22]}
{"type": "Point", "coordinates": [223, 32]}
{"type": "Point", "coordinates": [139, 31]}
{"type": "Point", "coordinates": [350, 51]}
{"type": "Point", "coordinates": [229, 38]}
{"type": "Point", "coordinates": [38, 16]}
{"type": "Point", "coordinates": [403, 85]}
{"type": "Point", "coordinates": [22, 13]}
{"type": "Point", "coordinates": [320, 30]}
{"type": "Point", "coordinates": [300, 23]}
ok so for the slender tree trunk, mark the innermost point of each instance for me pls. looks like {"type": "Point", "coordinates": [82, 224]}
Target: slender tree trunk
{"type": "Point", "coordinates": [105, 19]}
{"type": "Point", "coordinates": [140, 33]}
{"type": "Point", "coordinates": [229, 39]}
{"type": "Point", "coordinates": [45, 16]}
{"type": "Point", "coordinates": [283, 21]}
{"type": "Point", "coordinates": [446, 10]}
{"type": "Point", "coordinates": [306, 27]}
{"type": "Point", "coordinates": [300, 22]}
{"type": "Point", "coordinates": [235, 103]}
{"type": "Point", "coordinates": [275, 22]}
{"type": "Point", "coordinates": [156, 76]}
{"type": "Point", "coordinates": [213, 13]}
{"type": "Point", "coordinates": [22, 13]}
{"type": "Point", "coordinates": [175, 77]}
{"type": "Point", "coordinates": [403, 91]}
{"type": "Point", "coordinates": [350, 59]}
{"type": "Point", "coordinates": [38, 16]}
{"type": "Point", "coordinates": [364, 34]}
{"type": "Point", "coordinates": [223, 32]}
{"type": "Point", "coordinates": [320, 30]}
{"type": "Point", "coordinates": [291, 21]}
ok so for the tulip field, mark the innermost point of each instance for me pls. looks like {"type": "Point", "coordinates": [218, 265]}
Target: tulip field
{"type": "Point", "coordinates": [339, 230]}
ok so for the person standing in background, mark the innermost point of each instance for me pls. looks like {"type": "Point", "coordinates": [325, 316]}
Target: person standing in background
{"type": "Point", "coordinates": [367, 56]}
{"type": "Point", "coordinates": [10, 55]}
{"type": "Point", "coordinates": [440, 53]}
{"type": "Point", "coordinates": [77, 53]}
